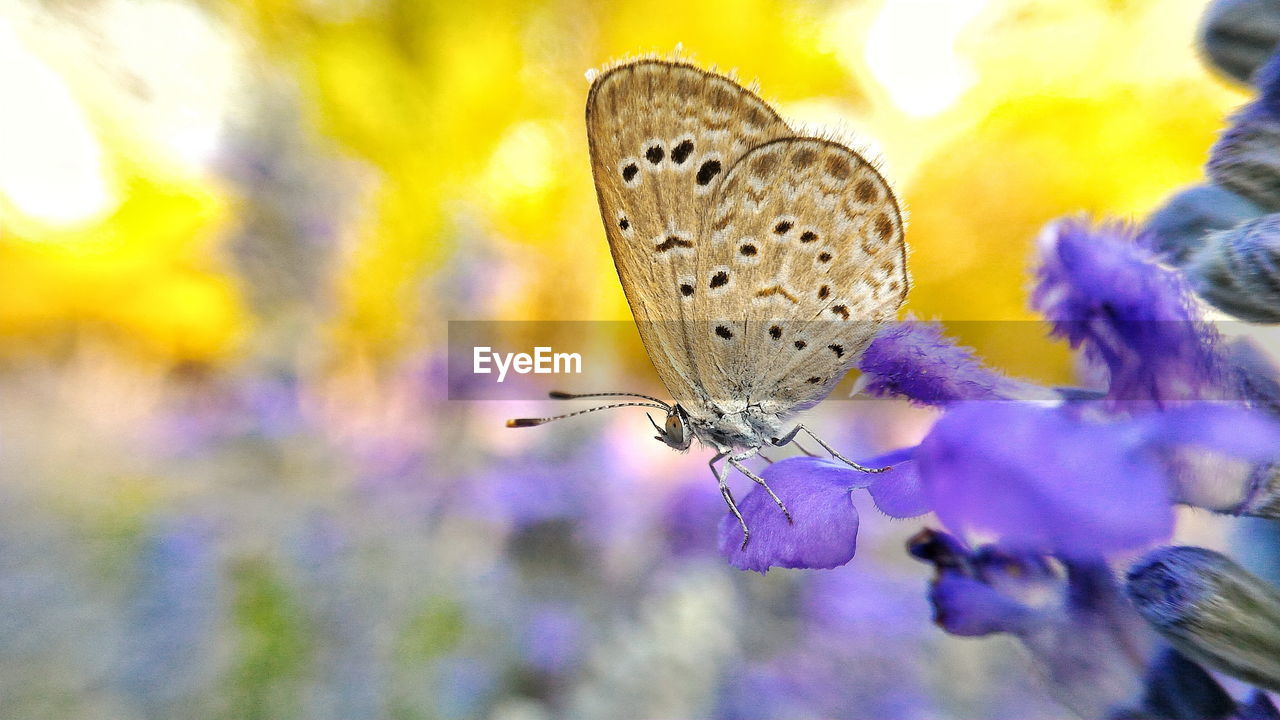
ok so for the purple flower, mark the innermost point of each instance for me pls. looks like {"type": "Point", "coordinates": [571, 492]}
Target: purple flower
{"type": "Point", "coordinates": [914, 359]}
{"type": "Point", "coordinates": [1085, 640]}
{"type": "Point", "coordinates": [1042, 481]}
{"type": "Point", "coordinates": [898, 492]}
{"type": "Point", "coordinates": [987, 591]}
{"type": "Point", "coordinates": [969, 608]}
{"type": "Point", "coordinates": [1103, 290]}
{"type": "Point", "coordinates": [1045, 480]}
{"type": "Point", "coordinates": [825, 528]}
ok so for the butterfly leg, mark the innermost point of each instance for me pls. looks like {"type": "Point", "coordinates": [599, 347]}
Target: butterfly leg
{"type": "Point", "coordinates": [791, 436]}
{"type": "Point", "coordinates": [736, 461]}
{"type": "Point", "coordinates": [722, 473]}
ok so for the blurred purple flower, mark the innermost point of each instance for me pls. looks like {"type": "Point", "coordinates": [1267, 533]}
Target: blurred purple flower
{"type": "Point", "coordinates": [1103, 290]}
{"type": "Point", "coordinates": [552, 639]}
{"type": "Point", "coordinates": [966, 607]}
{"type": "Point", "coordinates": [1084, 638]}
{"type": "Point", "coordinates": [558, 484]}
{"type": "Point", "coordinates": [1041, 480]}
{"type": "Point", "coordinates": [1045, 480]}
{"type": "Point", "coordinates": [811, 680]}
{"type": "Point", "coordinates": [465, 686]}
{"type": "Point", "coordinates": [915, 360]}
{"type": "Point", "coordinates": [825, 527]}
{"type": "Point", "coordinates": [271, 403]}
{"type": "Point", "coordinates": [689, 519]}
{"type": "Point", "coordinates": [850, 603]}
{"type": "Point", "coordinates": [171, 614]}
{"type": "Point", "coordinates": [346, 662]}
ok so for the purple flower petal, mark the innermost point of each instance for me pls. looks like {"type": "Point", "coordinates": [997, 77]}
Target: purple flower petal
{"type": "Point", "coordinates": [1043, 481]}
{"type": "Point", "coordinates": [967, 607]}
{"type": "Point", "coordinates": [1103, 290]}
{"type": "Point", "coordinates": [1235, 431]}
{"type": "Point", "coordinates": [915, 360]}
{"type": "Point", "coordinates": [898, 492]}
{"type": "Point", "coordinates": [825, 528]}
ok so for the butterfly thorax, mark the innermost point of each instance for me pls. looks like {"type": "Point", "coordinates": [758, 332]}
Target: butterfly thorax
{"type": "Point", "coordinates": [751, 427]}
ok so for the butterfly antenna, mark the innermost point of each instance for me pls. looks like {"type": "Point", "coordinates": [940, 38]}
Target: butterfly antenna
{"type": "Point", "coordinates": [534, 422]}
{"type": "Point", "coordinates": [557, 395]}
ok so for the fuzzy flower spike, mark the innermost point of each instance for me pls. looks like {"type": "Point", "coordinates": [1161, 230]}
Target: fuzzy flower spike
{"type": "Point", "coordinates": [1102, 290]}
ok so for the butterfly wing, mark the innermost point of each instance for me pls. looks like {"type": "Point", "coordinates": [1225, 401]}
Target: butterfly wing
{"type": "Point", "coordinates": [662, 137]}
{"type": "Point", "coordinates": [804, 243]}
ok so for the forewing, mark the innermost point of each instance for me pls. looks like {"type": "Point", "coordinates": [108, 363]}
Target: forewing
{"type": "Point", "coordinates": [807, 257]}
{"type": "Point", "coordinates": [663, 136]}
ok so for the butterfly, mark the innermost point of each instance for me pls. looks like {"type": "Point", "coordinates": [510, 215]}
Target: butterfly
{"type": "Point", "coordinates": [758, 262]}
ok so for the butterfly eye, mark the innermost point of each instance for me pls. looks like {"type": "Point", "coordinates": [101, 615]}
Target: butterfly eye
{"type": "Point", "coordinates": [676, 432]}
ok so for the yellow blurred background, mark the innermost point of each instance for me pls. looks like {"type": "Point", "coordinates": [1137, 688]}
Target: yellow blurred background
{"type": "Point", "coordinates": [442, 155]}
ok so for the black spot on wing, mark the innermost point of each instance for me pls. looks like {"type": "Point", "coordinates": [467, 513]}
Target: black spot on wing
{"type": "Point", "coordinates": [682, 152]}
{"type": "Point", "coordinates": [708, 171]}
{"type": "Point", "coordinates": [673, 241]}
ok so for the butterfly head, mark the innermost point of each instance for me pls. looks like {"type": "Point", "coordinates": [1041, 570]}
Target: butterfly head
{"type": "Point", "coordinates": [675, 431]}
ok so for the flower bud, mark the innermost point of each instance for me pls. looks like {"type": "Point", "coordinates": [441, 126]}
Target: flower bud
{"type": "Point", "coordinates": [1237, 36]}
{"type": "Point", "coordinates": [1238, 270]}
{"type": "Point", "coordinates": [1212, 610]}
{"type": "Point", "coordinates": [1180, 226]}
{"type": "Point", "coordinates": [1245, 159]}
